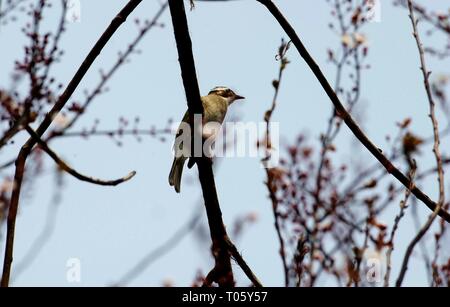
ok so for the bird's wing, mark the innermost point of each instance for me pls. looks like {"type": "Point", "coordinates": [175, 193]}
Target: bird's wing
{"type": "Point", "coordinates": [184, 120]}
{"type": "Point", "coordinates": [215, 109]}
{"type": "Point", "coordinates": [177, 147]}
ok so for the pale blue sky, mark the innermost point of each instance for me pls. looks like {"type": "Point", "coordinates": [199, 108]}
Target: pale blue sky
{"type": "Point", "coordinates": [109, 229]}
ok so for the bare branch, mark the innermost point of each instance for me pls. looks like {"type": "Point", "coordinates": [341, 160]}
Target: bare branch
{"type": "Point", "coordinates": [243, 264]}
{"type": "Point", "coordinates": [65, 167]}
{"type": "Point", "coordinates": [428, 16]}
{"type": "Point", "coordinates": [222, 272]}
{"type": "Point", "coordinates": [270, 172]}
{"type": "Point", "coordinates": [122, 59]}
{"type": "Point", "coordinates": [436, 150]}
{"type": "Point", "coordinates": [59, 105]}
{"type": "Point", "coordinates": [345, 116]}
{"type": "Point", "coordinates": [400, 215]}
{"type": "Point", "coordinates": [9, 8]}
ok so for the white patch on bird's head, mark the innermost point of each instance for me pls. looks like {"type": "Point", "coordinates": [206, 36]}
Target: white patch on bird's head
{"type": "Point", "coordinates": [221, 91]}
{"type": "Point", "coordinates": [220, 88]}
{"type": "Point", "coordinates": [226, 93]}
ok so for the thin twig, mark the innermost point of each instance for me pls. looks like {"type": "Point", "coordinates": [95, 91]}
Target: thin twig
{"type": "Point", "coordinates": [422, 244]}
{"type": "Point", "coordinates": [59, 32]}
{"type": "Point", "coordinates": [334, 120]}
{"type": "Point", "coordinates": [122, 59]}
{"type": "Point", "coordinates": [112, 133]}
{"type": "Point", "coordinates": [243, 264]}
{"type": "Point", "coordinates": [9, 8]}
{"type": "Point", "coordinates": [399, 216]}
{"type": "Point", "coordinates": [426, 16]}
{"type": "Point", "coordinates": [436, 150]}
{"type": "Point", "coordinates": [269, 181]}
{"type": "Point", "coordinates": [65, 167]}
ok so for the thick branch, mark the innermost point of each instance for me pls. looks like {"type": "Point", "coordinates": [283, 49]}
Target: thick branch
{"type": "Point", "coordinates": [222, 272]}
{"type": "Point", "coordinates": [343, 113]}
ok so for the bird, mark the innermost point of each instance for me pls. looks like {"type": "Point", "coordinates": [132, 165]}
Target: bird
{"type": "Point", "coordinates": [215, 106]}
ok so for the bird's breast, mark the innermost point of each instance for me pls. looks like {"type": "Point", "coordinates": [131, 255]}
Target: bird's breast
{"type": "Point", "coordinates": [215, 109]}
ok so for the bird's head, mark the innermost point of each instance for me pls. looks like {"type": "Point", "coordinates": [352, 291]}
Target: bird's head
{"type": "Point", "coordinates": [226, 93]}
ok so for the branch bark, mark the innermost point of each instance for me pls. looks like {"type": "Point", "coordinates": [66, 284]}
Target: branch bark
{"type": "Point", "coordinates": [345, 115]}
{"type": "Point", "coordinates": [222, 247]}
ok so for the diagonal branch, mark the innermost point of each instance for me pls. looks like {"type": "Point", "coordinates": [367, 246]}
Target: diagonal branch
{"type": "Point", "coordinates": [20, 120]}
{"type": "Point", "coordinates": [59, 105]}
{"type": "Point", "coordinates": [123, 57]}
{"type": "Point", "coordinates": [11, 6]}
{"type": "Point", "coordinates": [345, 115]}
{"type": "Point", "coordinates": [428, 16]}
{"type": "Point", "coordinates": [65, 167]}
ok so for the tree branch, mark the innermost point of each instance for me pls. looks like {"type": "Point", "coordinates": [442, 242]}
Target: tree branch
{"type": "Point", "coordinates": [222, 272]}
{"type": "Point", "coordinates": [398, 217]}
{"type": "Point", "coordinates": [270, 172]}
{"type": "Point", "coordinates": [436, 150]}
{"type": "Point", "coordinates": [122, 59]}
{"type": "Point", "coordinates": [346, 117]}
{"type": "Point", "coordinates": [27, 147]}
{"type": "Point", "coordinates": [65, 167]}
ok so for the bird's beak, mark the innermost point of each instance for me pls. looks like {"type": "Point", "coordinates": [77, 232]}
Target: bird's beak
{"type": "Point", "coordinates": [238, 97]}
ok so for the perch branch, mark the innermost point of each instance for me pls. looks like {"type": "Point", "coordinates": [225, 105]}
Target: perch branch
{"type": "Point", "coordinates": [222, 272]}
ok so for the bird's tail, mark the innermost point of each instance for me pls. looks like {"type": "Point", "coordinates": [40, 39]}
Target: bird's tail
{"type": "Point", "coordinates": [176, 172]}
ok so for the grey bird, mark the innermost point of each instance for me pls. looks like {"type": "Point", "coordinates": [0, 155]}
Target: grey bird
{"type": "Point", "coordinates": [215, 106]}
